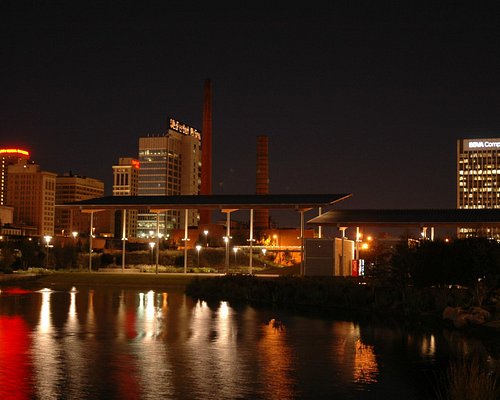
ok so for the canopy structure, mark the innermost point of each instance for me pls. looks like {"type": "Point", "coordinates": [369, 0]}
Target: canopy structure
{"type": "Point", "coordinates": [464, 217]}
{"type": "Point", "coordinates": [225, 203]}
{"type": "Point", "coordinates": [299, 202]}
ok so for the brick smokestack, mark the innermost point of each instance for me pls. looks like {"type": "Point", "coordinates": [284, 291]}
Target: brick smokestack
{"type": "Point", "coordinates": [206, 150]}
{"type": "Point", "coordinates": [262, 180]}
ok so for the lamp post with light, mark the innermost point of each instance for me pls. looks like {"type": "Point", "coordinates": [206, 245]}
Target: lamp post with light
{"type": "Point", "coordinates": [235, 249]}
{"type": "Point", "coordinates": [205, 232]}
{"type": "Point", "coordinates": [226, 241]}
{"type": "Point", "coordinates": [198, 248]}
{"type": "Point", "coordinates": [75, 248]}
{"type": "Point", "coordinates": [47, 238]}
{"type": "Point", "coordinates": [152, 246]}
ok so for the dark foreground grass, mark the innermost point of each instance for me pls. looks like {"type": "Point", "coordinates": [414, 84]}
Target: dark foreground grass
{"type": "Point", "coordinates": [468, 379]}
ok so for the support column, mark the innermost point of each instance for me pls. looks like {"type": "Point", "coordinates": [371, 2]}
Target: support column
{"type": "Point", "coordinates": [90, 239]}
{"type": "Point", "coordinates": [186, 238]}
{"type": "Point", "coordinates": [356, 245]}
{"type": "Point", "coordinates": [158, 239]}
{"type": "Point", "coordinates": [124, 236]}
{"type": "Point", "coordinates": [251, 242]}
{"type": "Point", "coordinates": [319, 226]}
{"type": "Point", "coordinates": [228, 237]}
{"type": "Point", "coordinates": [342, 254]}
{"type": "Point", "coordinates": [301, 243]}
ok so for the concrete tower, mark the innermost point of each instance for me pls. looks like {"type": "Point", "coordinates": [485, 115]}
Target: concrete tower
{"type": "Point", "coordinates": [206, 151]}
{"type": "Point", "coordinates": [262, 180]}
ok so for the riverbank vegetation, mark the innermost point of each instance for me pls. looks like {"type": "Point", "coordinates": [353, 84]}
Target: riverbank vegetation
{"type": "Point", "coordinates": [467, 379]}
{"type": "Point", "coordinates": [413, 282]}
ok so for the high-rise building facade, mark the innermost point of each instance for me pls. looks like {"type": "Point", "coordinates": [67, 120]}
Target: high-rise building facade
{"type": "Point", "coordinates": [478, 179]}
{"type": "Point", "coordinates": [170, 164]}
{"type": "Point", "coordinates": [32, 193]}
{"type": "Point", "coordinates": [126, 183]}
{"type": "Point", "coordinates": [9, 157]}
{"type": "Point", "coordinates": [71, 188]}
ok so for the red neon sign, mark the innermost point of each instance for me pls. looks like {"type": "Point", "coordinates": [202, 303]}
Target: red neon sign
{"type": "Point", "coordinates": [14, 151]}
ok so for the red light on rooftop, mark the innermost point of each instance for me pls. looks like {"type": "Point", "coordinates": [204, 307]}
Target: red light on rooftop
{"type": "Point", "coordinates": [14, 151]}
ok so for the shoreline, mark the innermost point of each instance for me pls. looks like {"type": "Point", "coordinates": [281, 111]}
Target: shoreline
{"type": "Point", "coordinates": [119, 279]}
{"type": "Point", "coordinates": [180, 281]}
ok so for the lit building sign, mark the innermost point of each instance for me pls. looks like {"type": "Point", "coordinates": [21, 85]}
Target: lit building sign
{"type": "Point", "coordinates": [184, 129]}
{"type": "Point", "coordinates": [136, 164]}
{"type": "Point", "coordinates": [14, 151]}
{"type": "Point", "coordinates": [482, 144]}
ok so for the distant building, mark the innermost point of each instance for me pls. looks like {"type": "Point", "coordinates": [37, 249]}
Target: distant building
{"type": "Point", "coordinates": [9, 157]}
{"type": "Point", "coordinates": [126, 183]}
{"type": "Point", "coordinates": [71, 188]}
{"type": "Point", "coordinates": [32, 193]}
{"type": "Point", "coordinates": [478, 180]}
{"type": "Point", "coordinates": [170, 164]}
{"type": "Point", "coordinates": [6, 215]}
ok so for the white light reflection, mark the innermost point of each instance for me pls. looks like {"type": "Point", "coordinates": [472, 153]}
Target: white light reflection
{"type": "Point", "coordinates": [72, 310]}
{"type": "Point", "coordinates": [154, 371]}
{"type": "Point", "coordinates": [150, 319]}
{"type": "Point", "coordinates": [212, 349]}
{"type": "Point", "coordinates": [200, 351]}
{"type": "Point", "coordinates": [76, 363]}
{"type": "Point", "coordinates": [229, 373]}
{"type": "Point", "coordinates": [149, 315]}
{"type": "Point", "coordinates": [46, 353]}
{"type": "Point", "coordinates": [45, 326]}
{"type": "Point", "coordinates": [121, 317]}
{"type": "Point", "coordinates": [428, 347]}
{"type": "Point", "coordinates": [223, 310]}
{"type": "Point", "coordinates": [90, 327]}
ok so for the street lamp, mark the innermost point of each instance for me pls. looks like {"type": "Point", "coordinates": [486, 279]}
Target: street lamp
{"type": "Point", "coordinates": [47, 238]}
{"type": "Point", "coordinates": [205, 232]}
{"type": "Point", "coordinates": [235, 249]}
{"type": "Point", "coordinates": [198, 248]}
{"type": "Point", "coordinates": [226, 240]}
{"type": "Point", "coordinates": [75, 234]}
{"type": "Point", "coordinates": [152, 246]}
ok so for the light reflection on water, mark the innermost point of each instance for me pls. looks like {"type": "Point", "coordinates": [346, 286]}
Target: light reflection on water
{"type": "Point", "coordinates": [126, 344]}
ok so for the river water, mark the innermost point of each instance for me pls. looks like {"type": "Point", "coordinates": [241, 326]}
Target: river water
{"type": "Point", "coordinates": [107, 343]}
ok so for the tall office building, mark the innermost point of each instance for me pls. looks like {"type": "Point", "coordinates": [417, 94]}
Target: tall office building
{"type": "Point", "coordinates": [32, 193]}
{"type": "Point", "coordinates": [9, 157]}
{"type": "Point", "coordinates": [170, 165]}
{"type": "Point", "coordinates": [126, 183]}
{"type": "Point", "coordinates": [71, 188]}
{"type": "Point", "coordinates": [478, 179]}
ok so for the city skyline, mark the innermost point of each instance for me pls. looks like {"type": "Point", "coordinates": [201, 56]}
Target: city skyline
{"type": "Point", "coordinates": [354, 99]}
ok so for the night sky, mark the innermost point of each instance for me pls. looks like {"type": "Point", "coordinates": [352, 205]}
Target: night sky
{"type": "Point", "coordinates": [355, 97]}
